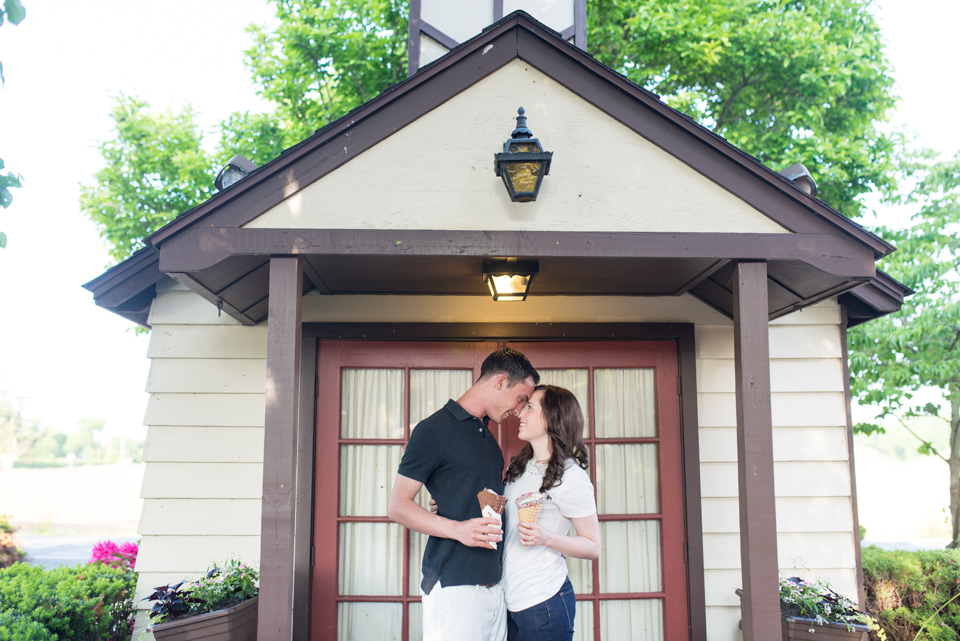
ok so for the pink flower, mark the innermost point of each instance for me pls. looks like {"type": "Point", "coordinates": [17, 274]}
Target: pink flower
{"type": "Point", "coordinates": [109, 553]}
{"type": "Point", "coordinates": [104, 551]}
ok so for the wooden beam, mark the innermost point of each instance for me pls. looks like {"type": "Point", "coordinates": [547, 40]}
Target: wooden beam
{"type": "Point", "coordinates": [203, 247]}
{"type": "Point", "coordinates": [760, 605]}
{"type": "Point", "coordinates": [844, 321]}
{"type": "Point", "coordinates": [305, 458]}
{"type": "Point", "coordinates": [280, 449]}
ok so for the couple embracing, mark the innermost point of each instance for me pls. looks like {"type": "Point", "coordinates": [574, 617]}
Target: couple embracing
{"type": "Point", "coordinates": [520, 590]}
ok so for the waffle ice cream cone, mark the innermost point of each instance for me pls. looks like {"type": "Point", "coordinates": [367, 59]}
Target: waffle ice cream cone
{"type": "Point", "coordinates": [491, 507]}
{"type": "Point", "coordinates": [529, 506]}
{"type": "Point", "coordinates": [491, 498]}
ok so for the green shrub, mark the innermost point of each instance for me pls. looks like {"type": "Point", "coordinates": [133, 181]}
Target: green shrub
{"type": "Point", "coordinates": [910, 591]}
{"type": "Point", "coordinates": [86, 603]}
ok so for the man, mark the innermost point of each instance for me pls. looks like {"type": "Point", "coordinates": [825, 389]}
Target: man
{"type": "Point", "coordinates": [454, 454]}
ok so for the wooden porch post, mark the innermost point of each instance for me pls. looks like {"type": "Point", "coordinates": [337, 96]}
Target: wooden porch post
{"type": "Point", "coordinates": [280, 449]}
{"type": "Point", "coordinates": [760, 606]}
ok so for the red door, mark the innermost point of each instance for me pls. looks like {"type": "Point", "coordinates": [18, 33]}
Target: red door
{"type": "Point", "coordinates": [372, 394]}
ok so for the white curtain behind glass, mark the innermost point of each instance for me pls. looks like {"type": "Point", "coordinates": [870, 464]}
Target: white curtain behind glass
{"type": "Point", "coordinates": [575, 380]}
{"type": "Point", "coordinates": [430, 389]}
{"type": "Point", "coordinates": [369, 621]}
{"type": "Point", "coordinates": [628, 483]}
{"type": "Point", "coordinates": [372, 404]}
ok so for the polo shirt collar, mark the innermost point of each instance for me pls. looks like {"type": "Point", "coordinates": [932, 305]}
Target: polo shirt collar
{"type": "Point", "coordinates": [461, 414]}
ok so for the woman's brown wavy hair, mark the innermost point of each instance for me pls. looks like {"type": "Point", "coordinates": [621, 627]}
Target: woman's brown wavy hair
{"type": "Point", "coordinates": [564, 420]}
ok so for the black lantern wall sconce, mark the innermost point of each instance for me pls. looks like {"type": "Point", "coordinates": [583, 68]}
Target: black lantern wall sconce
{"type": "Point", "coordinates": [509, 281]}
{"type": "Point", "coordinates": [523, 163]}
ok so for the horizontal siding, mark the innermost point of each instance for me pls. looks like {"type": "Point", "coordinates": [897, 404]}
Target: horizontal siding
{"type": "Point", "coordinates": [826, 312]}
{"type": "Point", "coordinates": [804, 514]}
{"type": "Point", "coordinates": [207, 376]}
{"type": "Point", "coordinates": [202, 481]}
{"type": "Point", "coordinates": [166, 443]}
{"type": "Point", "coordinates": [822, 550]}
{"type": "Point", "coordinates": [214, 410]}
{"type": "Point", "coordinates": [804, 479]}
{"type": "Point", "coordinates": [200, 517]}
{"type": "Point", "coordinates": [786, 375]}
{"type": "Point", "coordinates": [723, 623]}
{"type": "Point", "coordinates": [720, 584]}
{"type": "Point", "coordinates": [800, 409]}
{"type": "Point", "coordinates": [184, 307]}
{"type": "Point", "coordinates": [180, 554]}
{"type": "Point", "coordinates": [719, 444]}
{"type": "Point", "coordinates": [207, 341]}
{"type": "Point", "coordinates": [786, 341]}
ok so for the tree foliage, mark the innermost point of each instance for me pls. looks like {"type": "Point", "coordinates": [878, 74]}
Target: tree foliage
{"type": "Point", "coordinates": [893, 358]}
{"type": "Point", "coordinates": [785, 80]}
{"type": "Point", "coordinates": [13, 12]}
{"type": "Point", "coordinates": [326, 58]}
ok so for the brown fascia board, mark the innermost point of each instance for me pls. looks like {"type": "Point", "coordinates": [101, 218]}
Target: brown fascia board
{"type": "Point", "coordinates": [880, 296]}
{"type": "Point", "coordinates": [128, 287]}
{"type": "Point", "coordinates": [520, 36]}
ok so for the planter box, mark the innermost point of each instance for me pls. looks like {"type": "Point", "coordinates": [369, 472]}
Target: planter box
{"type": "Point", "coordinates": [795, 629]}
{"type": "Point", "coordinates": [238, 623]}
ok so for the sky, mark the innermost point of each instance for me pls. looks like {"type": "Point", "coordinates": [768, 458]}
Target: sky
{"type": "Point", "coordinates": [62, 358]}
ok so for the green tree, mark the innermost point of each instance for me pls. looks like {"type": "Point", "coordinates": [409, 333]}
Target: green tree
{"type": "Point", "coordinates": [326, 58]}
{"type": "Point", "coordinates": [13, 12]}
{"type": "Point", "coordinates": [85, 442]}
{"type": "Point", "coordinates": [894, 357]}
{"type": "Point", "coordinates": [155, 169]}
{"type": "Point", "coordinates": [785, 80]}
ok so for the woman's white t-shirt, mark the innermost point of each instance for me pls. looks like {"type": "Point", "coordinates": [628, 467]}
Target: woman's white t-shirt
{"type": "Point", "coordinates": [533, 575]}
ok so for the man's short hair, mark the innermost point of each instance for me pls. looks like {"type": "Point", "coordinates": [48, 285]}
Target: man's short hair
{"type": "Point", "coordinates": [510, 362]}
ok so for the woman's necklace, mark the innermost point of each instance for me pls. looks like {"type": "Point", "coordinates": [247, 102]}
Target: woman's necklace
{"type": "Point", "coordinates": [537, 468]}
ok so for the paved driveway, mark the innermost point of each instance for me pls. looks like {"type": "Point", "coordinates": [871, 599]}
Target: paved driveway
{"type": "Point", "coordinates": [51, 551]}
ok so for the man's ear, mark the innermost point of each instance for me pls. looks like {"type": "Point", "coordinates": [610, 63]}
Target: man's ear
{"type": "Point", "coordinates": [499, 381]}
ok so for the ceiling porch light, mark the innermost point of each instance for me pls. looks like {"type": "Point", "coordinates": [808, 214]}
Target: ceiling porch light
{"type": "Point", "coordinates": [523, 163]}
{"type": "Point", "coordinates": [509, 281]}
{"type": "Point", "coordinates": [235, 169]}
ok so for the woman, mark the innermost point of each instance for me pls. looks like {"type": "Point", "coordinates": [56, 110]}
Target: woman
{"type": "Point", "coordinates": [540, 598]}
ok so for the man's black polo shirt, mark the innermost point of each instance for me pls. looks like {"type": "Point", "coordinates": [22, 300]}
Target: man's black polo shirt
{"type": "Point", "coordinates": [455, 456]}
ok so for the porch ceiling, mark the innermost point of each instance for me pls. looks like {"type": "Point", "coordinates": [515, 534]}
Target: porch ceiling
{"type": "Point", "coordinates": [241, 282]}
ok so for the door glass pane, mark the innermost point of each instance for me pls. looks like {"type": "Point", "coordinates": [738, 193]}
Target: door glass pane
{"type": "Point", "coordinates": [430, 389]}
{"type": "Point", "coordinates": [627, 479]}
{"type": "Point", "coordinates": [624, 403]}
{"type": "Point", "coordinates": [371, 558]}
{"type": "Point", "coordinates": [418, 544]}
{"type": "Point", "coordinates": [367, 473]}
{"type": "Point", "coordinates": [630, 559]}
{"type": "Point", "coordinates": [416, 622]}
{"type": "Point", "coordinates": [369, 621]}
{"type": "Point", "coordinates": [372, 403]}
{"type": "Point", "coordinates": [583, 623]}
{"type": "Point", "coordinates": [637, 620]}
{"type": "Point", "coordinates": [580, 571]}
{"type": "Point", "coordinates": [575, 380]}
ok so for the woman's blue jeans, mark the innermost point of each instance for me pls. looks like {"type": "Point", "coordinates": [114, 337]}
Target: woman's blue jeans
{"type": "Point", "coordinates": [551, 620]}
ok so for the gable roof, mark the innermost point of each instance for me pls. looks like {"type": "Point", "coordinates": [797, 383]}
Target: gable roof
{"type": "Point", "coordinates": [212, 231]}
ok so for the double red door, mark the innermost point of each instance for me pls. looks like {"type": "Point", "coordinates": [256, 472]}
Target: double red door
{"type": "Point", "coordinates": [372, 394]}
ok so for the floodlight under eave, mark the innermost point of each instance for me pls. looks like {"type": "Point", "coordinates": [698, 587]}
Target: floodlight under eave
{"type": "Point", "coordinates": [236, 169]}
{"type": "Point", "coordinates": [509, 282]}
{"type": "Point", "coordinates": [523, 163]}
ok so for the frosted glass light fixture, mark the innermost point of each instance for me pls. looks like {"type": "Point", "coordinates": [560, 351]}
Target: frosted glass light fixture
{"type": "Point", "coordinates": [523, 163]}
{"type": "Point", "coordinates": [509, 281]}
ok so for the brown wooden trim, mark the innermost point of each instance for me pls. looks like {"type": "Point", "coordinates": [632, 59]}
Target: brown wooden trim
{"type": "Point", "coordinates": [275, 619]}
{"type": "Point", "coordinates": [413, 38]}
{"type": "Point", "coordinates": [693, 503]}
{"type": "Point", "coordinates": [314, 277]}
{"type": "Point", "coordinates": [481, 332]}
{"type": "Point", "coordinates": [497, 10]}
{"type": "Point", "coordinates": [699, 278]}
{"type": "Point", "coordinates": [520, 36]}
{"type": "Point", "coordinates": [203, 247]}
{"type": "Point", "coordinates": [429, 30]}
{"type": "Point", "coordinates": [121, 271]}
{"type": "Point", "coordinates": [569, 32]}
{"type": "Point", "coordinates": [760, 605]}
{"type": "Point", "coordinates": [305, 483]}
{"type": "Point", "coordinates": [580, 24]}
{"type": "Point", "coordinates": [861, 596]}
